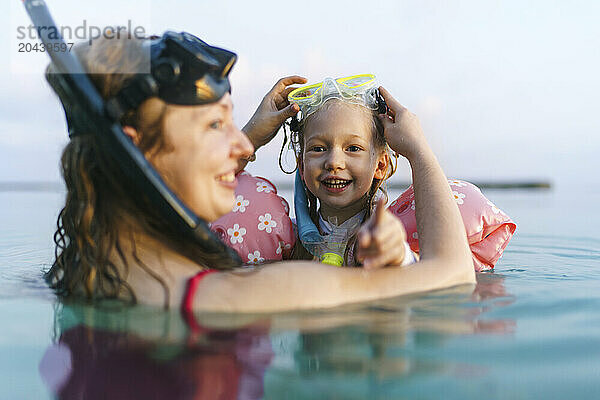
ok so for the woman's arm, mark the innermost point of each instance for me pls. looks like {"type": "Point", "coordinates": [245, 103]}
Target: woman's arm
{"type": "Point", "coordinates": [309, 285]}
{"type": "Point", "coordinates": [445, 257]}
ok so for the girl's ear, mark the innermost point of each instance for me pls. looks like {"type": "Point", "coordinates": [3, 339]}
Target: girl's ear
{"type": "Point", "coordinates": [383, 165]}
{"type": "Point", "coordinates": [133, 134]}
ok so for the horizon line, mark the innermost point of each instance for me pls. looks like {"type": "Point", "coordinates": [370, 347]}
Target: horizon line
{"type": "Point", "coordinates": [53, 186]}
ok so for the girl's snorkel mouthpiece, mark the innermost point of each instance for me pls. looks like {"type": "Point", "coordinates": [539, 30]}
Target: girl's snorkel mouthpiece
{"type": "Point", "coordinates": [328, 248]}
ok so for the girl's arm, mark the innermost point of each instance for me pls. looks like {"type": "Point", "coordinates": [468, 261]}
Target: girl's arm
{"type": "Point", "coordinates": [442, 236]}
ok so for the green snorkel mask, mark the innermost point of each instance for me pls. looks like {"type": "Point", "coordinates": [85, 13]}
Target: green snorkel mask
{"type": "Point", "coordinates": [356, 89]}
{"type": "Point", "coordinates": [360, 89]}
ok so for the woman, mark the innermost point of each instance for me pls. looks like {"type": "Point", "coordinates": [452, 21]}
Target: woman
{"type": "Point", "coordinates": [111, 243]}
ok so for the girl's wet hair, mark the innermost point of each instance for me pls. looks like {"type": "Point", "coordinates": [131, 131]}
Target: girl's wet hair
{"type": "Point", "coordinates": [96, 227]}
{"type": "Point", "coordinates": [297, 129]}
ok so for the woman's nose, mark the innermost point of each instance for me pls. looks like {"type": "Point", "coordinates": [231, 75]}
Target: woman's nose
{"type": "Point", "coordinates": [335, 160]}
{"type": "Point", "coordinates": [242, 147]}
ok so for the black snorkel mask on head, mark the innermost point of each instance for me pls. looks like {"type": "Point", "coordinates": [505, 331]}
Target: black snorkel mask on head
{"type": "Point", "coordinates": [185, 71]}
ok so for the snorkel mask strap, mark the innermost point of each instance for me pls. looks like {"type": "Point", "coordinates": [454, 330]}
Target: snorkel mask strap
{"type": "Point", "coordinates": [382, 107]}
{"type": "Point", "coordinates": [132, 96]}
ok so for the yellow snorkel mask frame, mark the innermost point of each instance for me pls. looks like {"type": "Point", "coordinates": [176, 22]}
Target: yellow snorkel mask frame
{"type": "Point", "coordinates": [359, 89]}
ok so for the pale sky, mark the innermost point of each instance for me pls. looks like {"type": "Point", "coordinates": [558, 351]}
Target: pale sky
{"type": "Point", "coordinates": [504, 89]}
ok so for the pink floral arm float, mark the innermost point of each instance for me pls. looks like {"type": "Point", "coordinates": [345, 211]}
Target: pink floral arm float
{"type": "Point", "coordinates": [259, 227]}
{"type": "Point", "coordinates": [488, 228]}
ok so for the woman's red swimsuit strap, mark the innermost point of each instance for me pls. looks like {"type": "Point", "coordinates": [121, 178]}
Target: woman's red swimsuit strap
{"type": "Point", "coordinates": [187, 305]}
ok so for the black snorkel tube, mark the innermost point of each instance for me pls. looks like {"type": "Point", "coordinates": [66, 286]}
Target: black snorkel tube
{"type": "Point", "coordinates": [87, 112]}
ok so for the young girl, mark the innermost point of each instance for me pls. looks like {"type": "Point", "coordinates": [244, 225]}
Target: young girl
{"type": "Point", "coordinates": [343, 160]}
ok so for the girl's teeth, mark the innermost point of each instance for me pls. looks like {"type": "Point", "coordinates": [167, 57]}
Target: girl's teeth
{"type": "Point", "coordinates": [336, 183]}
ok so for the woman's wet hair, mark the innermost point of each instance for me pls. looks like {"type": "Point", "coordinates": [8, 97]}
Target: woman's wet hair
{"type": "Point", "coordinates": [297, 140]}
{"type": "Point", "coordinates": [96, 228]}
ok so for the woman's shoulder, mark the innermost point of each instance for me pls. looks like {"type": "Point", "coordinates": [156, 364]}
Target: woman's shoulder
{"type": "Point", "coordinates": [157, 274]}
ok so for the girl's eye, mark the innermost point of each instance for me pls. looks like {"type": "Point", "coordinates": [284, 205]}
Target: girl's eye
{"type": "Point", "coordinates": [354, 148]}
{"type": "Point", "coordinates": [216, 124]}
{"type": "Point", "coordinates": [317, 149]}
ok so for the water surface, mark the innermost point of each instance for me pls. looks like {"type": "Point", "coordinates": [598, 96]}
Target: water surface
{"type": "Point", "coordinates": [529, 330]}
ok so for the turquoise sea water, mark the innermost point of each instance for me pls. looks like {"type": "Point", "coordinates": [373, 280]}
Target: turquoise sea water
{"type": "Point", "coordinates": [529, 330]}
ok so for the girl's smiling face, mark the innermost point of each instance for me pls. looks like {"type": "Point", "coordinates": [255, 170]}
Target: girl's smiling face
{"type": "Point", "coordinates": [340, 159]}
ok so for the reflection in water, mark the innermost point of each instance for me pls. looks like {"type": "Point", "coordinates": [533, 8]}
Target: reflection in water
{"type": "Point", "coordinates": [91, 362]}
{"type": "Point", "coordinates": [390, 349]}
{"type": "Point", "coordinates": [351, 351]}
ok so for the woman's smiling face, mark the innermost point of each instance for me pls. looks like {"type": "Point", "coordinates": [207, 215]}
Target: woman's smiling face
{"type": "Point", "coordinates": [340, 160]}
{"type": "Point", "coordinates": [203, 148]}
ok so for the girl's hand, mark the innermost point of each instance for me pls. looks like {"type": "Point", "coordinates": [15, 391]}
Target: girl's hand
{"type": "Point", "coordinates": [381, 240]}
{"type": "Point", "coordinates": [403, 131]}
{"type": "Point", "coordinates": [272, 112]}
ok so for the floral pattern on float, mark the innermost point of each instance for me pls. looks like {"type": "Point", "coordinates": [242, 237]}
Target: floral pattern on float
{"type": "Point", "coordinates": [488, 228]}
{"type": "Point", "coordinates": [258, 228]}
